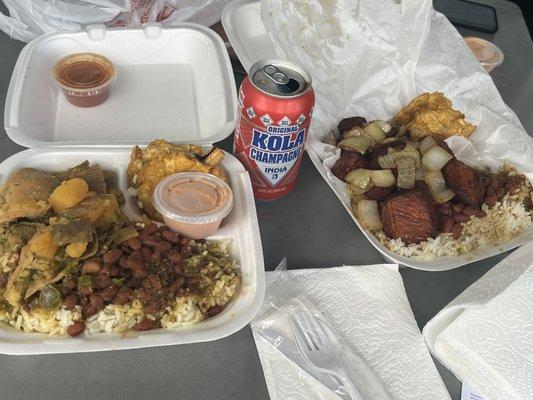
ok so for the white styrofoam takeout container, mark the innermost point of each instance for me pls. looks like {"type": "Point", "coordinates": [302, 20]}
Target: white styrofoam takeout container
{"type": "Point", "coordinates": [246, 32]}
{"type": "Point", "coordinates": [176, 82]}
{"type": "Point", "coordinates": [206, 91]}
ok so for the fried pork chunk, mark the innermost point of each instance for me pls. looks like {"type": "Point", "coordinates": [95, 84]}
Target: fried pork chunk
{"type": "Point", "coordinates": [468, 184]}
{"type": "Point", "coordinates": [348, 161]}
{"type": "Point", "coordinates": [410, 216]}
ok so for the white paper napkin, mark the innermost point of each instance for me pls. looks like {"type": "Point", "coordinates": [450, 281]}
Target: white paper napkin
{"type": "Point", "coordinates": [368, 306]}
{"type": "Point", "coordinates": [485, 335]}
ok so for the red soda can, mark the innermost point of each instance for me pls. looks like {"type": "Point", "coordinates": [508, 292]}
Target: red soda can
{"type": "Point", "coordinates": [276, 101]}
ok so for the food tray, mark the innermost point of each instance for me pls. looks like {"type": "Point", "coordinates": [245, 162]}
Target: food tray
{"type": "Point", "coordinates": [240, 226]}
{"type": "Point", "coordinates": [172, 83]}
{"type": "Point", "coordinates": [251, 42]}
{"type": "Point", "coordinates": [188, 96]}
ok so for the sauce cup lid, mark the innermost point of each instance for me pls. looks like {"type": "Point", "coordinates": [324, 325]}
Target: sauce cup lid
{"type": "Point", "coordinates": [486, 52]}
{"type": "Point", "coordinates": [84, 74]}
{"type": "Point", "coordinates": [193, 198]}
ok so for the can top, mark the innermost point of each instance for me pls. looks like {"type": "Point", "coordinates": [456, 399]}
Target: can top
{"type": "Point", "coordinates": [279, 77]}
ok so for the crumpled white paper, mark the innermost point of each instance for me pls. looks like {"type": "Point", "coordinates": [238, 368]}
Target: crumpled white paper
{"type": "Point", "coordinates": [368, 306]}
{"type": "Point", "coordinates": [371, 57]}
{"type": "Point", "coordinates": [485, 335]}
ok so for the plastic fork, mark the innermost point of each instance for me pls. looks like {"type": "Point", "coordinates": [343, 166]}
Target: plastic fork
{"type": "Point", "coordinates": [319, 347]}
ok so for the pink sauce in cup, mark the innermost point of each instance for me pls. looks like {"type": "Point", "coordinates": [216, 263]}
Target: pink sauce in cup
{"type": "Point", "coordinates": [193, 204]}
{"type": "Point", "coordinates": [487, 53]}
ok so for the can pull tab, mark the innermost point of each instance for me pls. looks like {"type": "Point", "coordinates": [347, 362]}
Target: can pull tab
{"type": "Point", "coordinates": [276, 75]}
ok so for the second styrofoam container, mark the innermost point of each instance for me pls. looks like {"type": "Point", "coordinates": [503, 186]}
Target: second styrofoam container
{"type": "Point", "coordinates": [250, 40]}
{"type": "Point", "coordinates": [174, 82]}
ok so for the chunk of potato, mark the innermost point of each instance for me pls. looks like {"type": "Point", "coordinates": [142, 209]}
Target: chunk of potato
{"type": "Point", "coordinates": [68, 194]}
{"type": "Point", "coordinates": [42, 244]}
{"type": "Point", "coordinates": [76, 249]}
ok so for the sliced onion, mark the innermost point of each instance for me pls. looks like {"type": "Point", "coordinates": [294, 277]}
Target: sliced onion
{"type": "Point", "coordinates": [384, 125]}
{"type": "Point", "coordinates": [437, 186]}
{"type": "Point", "coordinates": [444, 196]}
{"type": "Point", "coordinates": [406, 172]}
{"type": "Point", "coordinates": [382, 178]}
{"type": "Point", "coordinates": [420, 174]}
{"type": "Point", "coordinates": [426, 144]}
{"type": "Point", "coordinates": [355, 191]}
{"type": "Point", "coordinates": [389, 140]}
{"type": "Point", "coordinates": [416, 145]}
{"type": "Point", "coordinates": [387, 161]}
{"type": "Point", "coordinates": [359, 177]}
{"type": "Point", "coordinates": [356, 143]}
{"type": "Point", "coordinates": [435, 158]}
{"type": "Point", "coordinates": [367, 211]}
{"type": "Point", "coordinates": [410, 151]}
{"type": "Point", "coordinates": [373, 131]}
{"type": "Point", "coordinates": [435, 181]}
{"type": "Point", "coordinates": [355, 131]}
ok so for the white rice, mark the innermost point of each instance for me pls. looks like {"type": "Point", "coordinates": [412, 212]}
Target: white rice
{"type": "Point", "coordinates": [219, 283]}
{"type": "Point", "coordinates": [504, 221]}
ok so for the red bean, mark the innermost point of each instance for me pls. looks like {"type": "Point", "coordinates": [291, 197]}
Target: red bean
{"type": "Point", "coordinates": [135, 263]}
{"type": "Point", "coordinates": [108, 293]}
{"type": "Point", "coordinates": [461, 218]}
{"type": "Point", "coordinates": [146, 253]}
{"type": "Point", "coordinates": [175, 256]}
{"type": "Point", "coordinates": [102, 281]}
{"type": "Point", "coordinates": [491, 200]}
{"type": "Point", "coordinates": [114, 270]}
{"type": "Point", "coordinates": [457, 208]}
{"type": "Point", "coordinates": [70, 301]}
{"type": "Point", "coordinates": [139, 273]}
{"type": "Point", "coordinates": [171, 237]}
{"type": "Point", "coordinates": [96, 301]}
{"type": "Point", "coordinates": [214, 311]}
{"type": "Point", "coordinates": [134, 243]}
{"type": "Point", "coordinates": [88, 311]}
{"type": "Point", "coordinates": [163, 228]}
{"type": "Point", "coordinates": [153, 281]}
{"type": "Point", "coordinates": [447, 225]}
{"type": "Point", "coordinates": [151, 241]}
{"type": "Point", "coordinates": [112, 256]}
{"type": "Point", "coordinates": [457, 231]}
{"type": "Point", "coordinates": [500, 193]}
{"type": "Point", "coordinates": [481, 214]}
{"type": "Point", "coordinates": [185, 241]}
{"type": "Point", "coordinates": [76, 328]}
{"type": "Point", "coordinates": [186, 251]}
{"type": "Point", "coordinates": [144, 325]}
{"type": "Point", "coordinates": [122, 263]}
{"type": "Point", "coordinates": [91, 267]}
{"type": "Point", "coordinates": [177, 285]}
{"type": "Point", "coordinates": [123, 296]}
{"type": "Point", "coordinates": [150, 228]}
{"type": "Point", "coordinates": [163, 247]}
{"type": "Point", "coordinates": [470, 211]}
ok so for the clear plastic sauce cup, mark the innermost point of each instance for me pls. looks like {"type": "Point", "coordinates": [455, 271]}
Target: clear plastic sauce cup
{"type": "Point", "coordinates": [85, 78]}
{"type": "Point", "coordinates": [193, 204]}
{"type": "Point", "coordinates": [487, 53]}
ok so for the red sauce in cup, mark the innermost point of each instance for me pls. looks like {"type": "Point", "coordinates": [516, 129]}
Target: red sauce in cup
{"type": "Point", "coordinates": [85, 78]}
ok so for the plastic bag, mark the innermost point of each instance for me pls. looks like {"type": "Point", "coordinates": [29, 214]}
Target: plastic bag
{"type": "Point", "coordinates": [31, 18]}
{"type": "Point", "coordinates": [273, 327]}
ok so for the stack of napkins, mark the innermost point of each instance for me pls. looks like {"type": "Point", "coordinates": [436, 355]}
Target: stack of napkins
{"type": "Point", "coordinates": [368, 307]}
{"type": "Point", "coordinates": [485, 335]}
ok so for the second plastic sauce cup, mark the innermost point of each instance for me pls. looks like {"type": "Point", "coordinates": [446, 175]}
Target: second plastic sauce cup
{"type": "Point", "coordinates": [193, 203]}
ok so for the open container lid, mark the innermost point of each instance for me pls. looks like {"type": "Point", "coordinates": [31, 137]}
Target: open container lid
{"type": "Point", "coordinates": [174, 83]}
